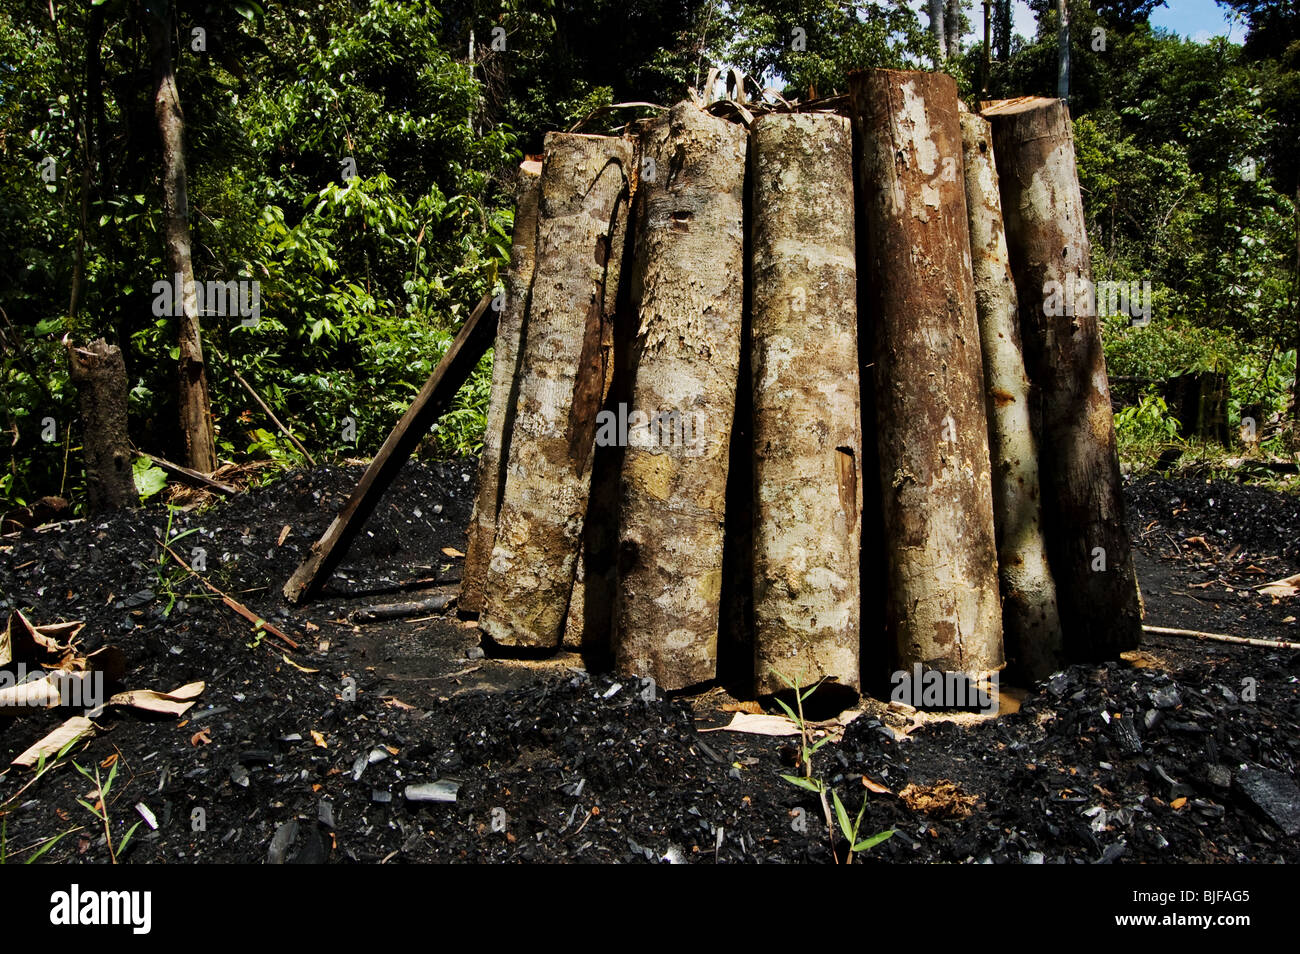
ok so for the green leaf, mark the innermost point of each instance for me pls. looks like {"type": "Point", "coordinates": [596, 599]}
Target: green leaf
{"type": "Point", "coordinates": [47, 845]}
{"type": "Point", "coordinates": [148, 478]}
{"type": "Point", "coordinates": [121, 845]}
{"type": "Point", "coordinates": [788, 710]}
{"type": "Point", "coordinates": [803, 783]}
{"type": "Point", "coordinates": [873, 840]}
{"type": "Point", "coordinates": [842, 815]}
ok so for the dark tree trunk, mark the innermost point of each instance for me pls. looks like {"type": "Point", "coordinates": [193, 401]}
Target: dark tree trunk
{"type": "Point", "coordinates": [195, 408]}
{"type": "Point", "coordinates": [100, 376]}
{"type": "Point", "coordinates": [932, 432]}
{"type": "Point", "coordinates": [1083, 509]}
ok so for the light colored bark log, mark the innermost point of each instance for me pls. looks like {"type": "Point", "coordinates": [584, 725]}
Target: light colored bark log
{"type": "Point", "coordinates": [932, 431]}
{"type": "Point", "coordinates": [1031, 624]}
{"type": "Point", "coordinates": [506, 356]}
{"type": "Point", "coordinates": [807, 415]}
{"type": "Point", "coordinates": [687, 289]}
{"type": "Point", "coordinates": [1083, 507]}
{"type": "Point", "coordinates": [584, 192]}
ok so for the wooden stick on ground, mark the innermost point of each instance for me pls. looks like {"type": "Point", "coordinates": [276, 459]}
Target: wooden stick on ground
{"type": "Point", "coordinates": [1222, 638]}
{"type": "Point", "coordinates": [188, 476]}
{"type": "Point", "coordinates": [230, 601]}
{"type": "Point", "coordinates": [435, 397]}
{"type": "Point", "coordinates": [266, 409]}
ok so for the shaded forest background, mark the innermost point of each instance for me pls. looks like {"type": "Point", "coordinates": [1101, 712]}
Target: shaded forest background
{"type": "Point", "coordinates": [358, 159]}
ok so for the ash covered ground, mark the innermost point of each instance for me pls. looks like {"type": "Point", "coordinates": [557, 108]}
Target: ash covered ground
{"type": "Point", "coordinates": [1184, 751]}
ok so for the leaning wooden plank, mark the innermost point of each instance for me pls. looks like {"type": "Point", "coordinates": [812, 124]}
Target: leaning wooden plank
{"type": "Point", "coordinates": [807, 413]}
{"type": "Point", "coordinates": [943, 603]}
{"type": "Point", "coordinates": [1083, 506]}
{"type": "Point", "coordinates": [506, 355]}
{"type": "Point", "coordinates": [434, 398]}
{"type": "Point", "coordinates": [687, 288]}
{"type": "Point", "coordinates": [1031, 624]}
{"type": "Point", "coordinates": [584, 194]}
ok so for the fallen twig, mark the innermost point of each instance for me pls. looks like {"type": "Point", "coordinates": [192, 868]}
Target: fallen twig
{"type": "Point", "coordinates": [188, 476]}
{"type": "Point", "coordinates": [383, 611]}
{"type": "Point", "coordinates": [1222, 637]}
{"type": "Point", "coordinates": [230, 601]}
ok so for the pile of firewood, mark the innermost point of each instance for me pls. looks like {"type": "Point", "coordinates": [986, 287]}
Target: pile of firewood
{"type": "Point", "coordinates": [739, 388]}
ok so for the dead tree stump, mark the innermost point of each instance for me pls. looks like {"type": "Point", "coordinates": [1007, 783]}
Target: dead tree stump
{"type": "Point", "coordinates": [1083, 508]}
{"type": "Point", "coordinates": [99, 373]}
{"type": "Point", "coordinates": [687, 291]}
{"type": "Point", "coordinates": [506, 357]}
{"type": "Point", "coordinates": [943, 603]}
{"type": "Point", "coordinates": [584, 193]}
{"type": "Point", "coordinates": [1031, 624]}
{"type": "Point", "coordinates": [807, 413]}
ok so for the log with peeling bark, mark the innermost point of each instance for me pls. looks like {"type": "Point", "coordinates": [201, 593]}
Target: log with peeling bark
{"type": "Point", "coordinates": [807, 415]}
{"type": "Point", "coordinates": [99, 372]}
{"type": "Point", "coordinates": [506, 356]}
{"type": "Point", "coordinates": [687, 289]}
{"type": "Point", "coordinates": [1083, 508]}
{"type": "Point", "coordinates": [585, 189]}
{"type": "Point", "coordinates": [943, 603]}
{"type": "Point", "coordinates": [1031, 623]}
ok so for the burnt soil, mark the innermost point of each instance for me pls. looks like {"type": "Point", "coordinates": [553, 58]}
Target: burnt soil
{"type": "Point", "coordinates": [1156, 758]}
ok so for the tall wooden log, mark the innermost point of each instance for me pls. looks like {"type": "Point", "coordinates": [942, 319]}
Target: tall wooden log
{"type": "Point", "coordinates": [506, 357]}
{"type": "Point", "coordinates": [584, 194]}
{"type": "Point", "coordinates": [1031, 623]}
{"type": "Point", "coordinates": [687, 290]}
{"type": "Point", "coordinates": [192, 375]}
{"type": "Point", "coordinates": [931, 427]}
{"type": "Point", "coordinates": [99, 373]}
{"type": "Point", "coordinates": [1083, 508]}
{"type": "Point", "coordinates": [807, 414]}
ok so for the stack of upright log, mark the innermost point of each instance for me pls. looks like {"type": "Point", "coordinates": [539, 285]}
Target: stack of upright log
{"type": "Point", "coordinates": [904, 382]}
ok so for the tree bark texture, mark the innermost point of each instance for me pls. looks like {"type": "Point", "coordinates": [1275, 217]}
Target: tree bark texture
{"type": "Point", "coordinates": [1031, 623]}
{"type": "Point", "coordinates": [807, 414]}
{"type": "Point", "coordinates": [563, 373]}
{"type": "Point", "coordinates": [1083, 508]}
{"type": "Point", "coordinates": [195, 408]}
{"type": "Point", "coordinates": [932, 430]}
{"type": "Point", "coordinates": [506, 357]}
{"type": "Point", "coordinates": [687, 291]}
{"type": "Point", "coordinates": [99, 373]}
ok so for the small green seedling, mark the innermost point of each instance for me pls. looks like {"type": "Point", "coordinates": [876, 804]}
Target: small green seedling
{"type": "Point", "coordinates": [807, 749]}
{"type": "Point", "coordinates": [100, 810]}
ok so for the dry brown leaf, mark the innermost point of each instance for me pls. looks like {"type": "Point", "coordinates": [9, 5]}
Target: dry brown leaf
{"type": "Point", "coordinates": [1178, 803]}
{"type": "Point", "coordinates": [873, 786]}
{"type": "Point", "coordinates": [1289, 586]}
{"type": "Point", "coordinates": [310, 627]}
{"type": "Point", "coordinates": [204, 735]}
{"type": "Point", "coordinates": [760, 724]}
{"type": "Point", "coordinates": [751, 707]}
{"type": "Point", "coordinates": [452, 552]}
{"type": "Point", "coordinates": [284, 532]}
{"type": "Point", "coordinates": [318, 739]}
{"type": "Point", "coordinates": [108, 762]}
{"type": "Point", "coordinates": [75, 728]}
{"type": "Point", "coordinates": [177, 702]}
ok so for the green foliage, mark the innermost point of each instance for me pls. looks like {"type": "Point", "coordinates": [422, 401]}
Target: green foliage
{"type": "Point", "coordinates": [819, 786]}
{"type": "Point", "coordinates": [99, 808]}
{"type": "Point", "coordinates": [149, 479]}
